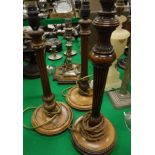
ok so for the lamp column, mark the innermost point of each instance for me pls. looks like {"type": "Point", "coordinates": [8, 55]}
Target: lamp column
{"type": "Point", "coordinates": [93, 133]}
{"type": "Point", "coordinates": [80, 97]}
{"type": "Point", "coordinates": [59, 114]}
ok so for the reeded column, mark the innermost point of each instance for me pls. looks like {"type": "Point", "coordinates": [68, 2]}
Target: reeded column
{"type": "Point", "coordinates": [93, 133]}
{"type": "Point", "coordinates": [39, 47]}
{"type": "Point", "coordinates": [80, 97]}
{"type": "Point", "coordinates": [85, 33]}
{"type": "Point", "coordinates": [102, 55]}
{"type": "Point", "coordinates": [52, 117]}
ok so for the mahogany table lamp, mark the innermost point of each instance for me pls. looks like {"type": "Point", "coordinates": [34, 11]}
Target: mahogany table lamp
{"type": "Point", "coordinates": [52, 117]}
{"type": "Point", "coordinates": [80, 96]}
{"type": "Point", "coordinates": [93, 133]}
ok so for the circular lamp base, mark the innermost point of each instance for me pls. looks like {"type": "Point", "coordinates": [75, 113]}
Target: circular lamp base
{"type": "Point", "coordinates": [57, 125]}
{"type": "Point", "coordinates": [78, 101]}
{"type": "Point", "coordinates": [31, 71]}
{"type": "Point", "coordinates": [101, 147]}
{"type": "Point", "coordinates": [72, 53]}
{"type": "Point", "coordinates": [55, 57]}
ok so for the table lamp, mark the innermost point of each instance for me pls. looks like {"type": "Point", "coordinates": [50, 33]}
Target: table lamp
{"type": "Point", "coordinates": [119, 40]}
{"type": "Point", "coordinates": [121, 97]}
{"type": "Point", "coordinates": [80, 96]}
{"type": "Point", "coordinates": [52, 117]}
{"type": "Point", "coordinates": [93, 133]}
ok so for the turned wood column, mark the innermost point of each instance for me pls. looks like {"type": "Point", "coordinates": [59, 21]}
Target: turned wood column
{"type": "Point", "coordinates": [85, 33]}
{"type": "Point", "coordinates": [39, 48]}
{"type": "Point", "coordinates": [52, 117]}
{"type": "Point", "coordinates": [102, 55]}
{"type": "Point", "coordinates": [93, 133]}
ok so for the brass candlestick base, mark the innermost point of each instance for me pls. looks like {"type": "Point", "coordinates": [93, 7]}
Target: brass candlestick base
{"type": "Point", "coordinates": [55, 56]}
{"type": "Point", "coordinates": [120, 100]}
{"type": "Point", "coordinates": [95, 143]}
{"type": "Point", "coordinates": [57, 125]}
{"type": "Point", "coordinates": [78, 101]}
{"type": "Point", "coordinates": [73, 52]}
{"type": "Point", "coordinates": [69, 77]}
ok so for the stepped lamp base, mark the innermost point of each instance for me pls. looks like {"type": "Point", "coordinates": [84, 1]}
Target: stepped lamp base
{"type": "Point", "coordinates": [57, 125]}
{"type": "Point", "coordinates": [122, 63]}
{"type": "Point", "coordinates": [101, 147]}
{"type": "Point", "coordinates": [31, 71]}
{"type": "Point", "coordinates": [72, 53]}
{"type": "Point", "coordinates": [54, 57]}
{"type": "Point", "coordinates": [78, 101]}
{"type": "Point", "coordinates": [120, 100]}
{"type": "Point", "coordinates": [69, 77]}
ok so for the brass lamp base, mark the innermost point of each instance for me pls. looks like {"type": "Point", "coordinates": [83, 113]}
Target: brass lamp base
{"type": "Point", "coordinates": [78, 101]}
{"type": "Point", "coordinates": [120, 100]}
{"type": "Point", "coordinates": [65, 79]}
{"type": "Point", "coordinates": [99, 147]}
{"type": "Point", "coordinates": [57, 125]}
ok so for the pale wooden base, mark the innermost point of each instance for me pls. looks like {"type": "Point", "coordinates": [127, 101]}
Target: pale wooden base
{"type": "Point", "coordinates": [102, 147]}
{"type": "Point", "coordinates": [78, 101]}
{"type": "Point", "coordinates": [56, 126]}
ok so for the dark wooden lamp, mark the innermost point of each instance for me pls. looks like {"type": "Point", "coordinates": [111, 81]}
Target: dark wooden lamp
{"type": "Point", "coordinates": [52, 117]}
{"type": "Point", "coordinates": [93, 133]}
{"type": "Point", "coordinates": [80, 97]}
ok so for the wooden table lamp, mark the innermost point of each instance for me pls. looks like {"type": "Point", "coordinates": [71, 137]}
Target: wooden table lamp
{"type": "Point", "coordinates": [80, 97]}
{"type": "Point", "coordinates": [52, 117]}
{"type": "Point", "coordinates": [93, 133]}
